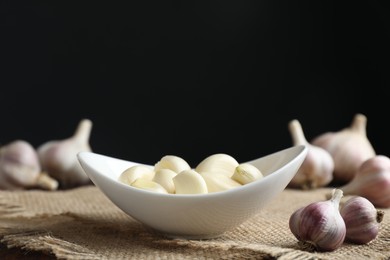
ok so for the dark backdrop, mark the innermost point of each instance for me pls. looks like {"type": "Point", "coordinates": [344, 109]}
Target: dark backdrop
{"type": "Point", "coordinates": [191, 78]}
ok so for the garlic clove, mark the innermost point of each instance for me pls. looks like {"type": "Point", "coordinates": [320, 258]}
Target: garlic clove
{"type": "Point", "coordinates": [348, 147]}
{"type": "Point", "coordinates": [245, 173]}
{"type": "Point", "coordinates": [189, 182]}
{"type": "Point", "coordinates": [59, 157]}
{"type": "Point", "coordinates": [372, 181]}
{"type": "Point", "coordinates": [362, 220]}
{"type": "Point", "coordinates": [172, 162]}
{"type": "Point", "coordinates": [134, 172]}
{"type": "Point", "coordinates": [164, 177]}
{"type": "Point", "coordinates": [220, 162]}
{"type": "Point", "coordinates": [20, 168]}
{"type": "Point", "coordinates": [216, 181]}
{"type": "Point", "coordinates": [149, 185]}
{"type": "Point", "coordinates": [320, 225]}
{"type": "Point", "coordinates": [317, 168]}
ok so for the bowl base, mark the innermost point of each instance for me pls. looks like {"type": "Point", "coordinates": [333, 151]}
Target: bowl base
{"type": "Point", "coordinates": [182, 236]}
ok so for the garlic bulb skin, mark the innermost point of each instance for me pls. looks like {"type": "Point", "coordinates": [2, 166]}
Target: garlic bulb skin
{"type": "Point", "coordinates": [317, 168]}
{"type": "Point", "coordinates": [20, 168]}
{"type": "Point", "coordinates": [59, 157]}
{"type": "Point", "coordinates": [320, 224]}
{"type": "Point", "coordinates": [348, 147]}
{"type": "Point", "coordinates": [372, 181]}
{"type": "Point", "coordinates": [362, 220]}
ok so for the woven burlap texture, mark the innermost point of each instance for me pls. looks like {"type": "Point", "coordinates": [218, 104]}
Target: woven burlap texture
{"type": "Point", "coordinates": [83, 223]}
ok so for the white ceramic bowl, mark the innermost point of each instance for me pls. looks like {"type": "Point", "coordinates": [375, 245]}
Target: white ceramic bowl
{"type": "Point", "coordinates": [188, 215]}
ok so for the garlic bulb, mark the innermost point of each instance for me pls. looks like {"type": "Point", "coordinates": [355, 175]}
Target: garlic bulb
{"type": "Point", "coordinates": [20, 168]}
{"type": "Point", "coordinates": [349, 148]}
{"type": "Point", "coordinates": [320, 224]}
{"type": "Point", "coordinates": [59, 157]}
{"type": "Point", "coordinates": [372, 181]}
{"type": "Point", "coordinates": [362, 220]}
{"type": "Point", "coordinates": [317, 168]}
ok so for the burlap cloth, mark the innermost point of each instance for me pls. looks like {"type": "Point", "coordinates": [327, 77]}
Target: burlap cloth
{"type": "Point", "coordinates": [83, 224]}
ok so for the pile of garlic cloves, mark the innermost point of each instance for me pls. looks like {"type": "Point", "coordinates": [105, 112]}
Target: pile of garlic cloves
{"type": "Point", "coordinates": [51, 166]}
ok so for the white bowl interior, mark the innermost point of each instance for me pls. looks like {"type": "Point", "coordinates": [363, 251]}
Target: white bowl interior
{"type": "Point", "coordinates": [194, 216]}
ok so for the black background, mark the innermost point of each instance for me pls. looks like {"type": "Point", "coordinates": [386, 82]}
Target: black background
{"type": "Point", "coordinates": [191, 78]}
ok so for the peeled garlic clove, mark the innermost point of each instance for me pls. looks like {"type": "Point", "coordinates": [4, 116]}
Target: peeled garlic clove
{"type": "Point", "coordinates": [134, 172]}
{"type": "Point", "coordinates": [172, 162]}
{"type": "Point", "coordinates": [20, 168]}
{"type": "Point", "coordinates": [349, 148]}
{"type": "Point", "coordinates": [320, 224]}
{"type": "Point", "coordinates": [318, 166]}
{"type": "Point", "coordinates": [148, 185]}
{"type": "Point", "coordinates": [216, 181]}
{"type": "Point", "coordinates": [220, 162]}
{"type": "Point", "coordinates": [362, 220]}
{"type": "Point", "coordinates": [245, 173]}
{"type": "Point", "coordinates": [164, 177]}
{"type": "Point", "coordinates": [189, 182]}
{"type": "Point", "coordinates": [59, 157]}
{"type": "Point", "coordinates": [372, 181]}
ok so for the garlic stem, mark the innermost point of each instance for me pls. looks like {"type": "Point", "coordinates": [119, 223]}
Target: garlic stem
{"type": "Point", "coordinates": [337, 194]}
{"type": "Point", "coordinates": [296, 131]}
{"type": "Point", "coordinates": [359, 124]}
{"type": "Point", "coordinates": [83, 131]}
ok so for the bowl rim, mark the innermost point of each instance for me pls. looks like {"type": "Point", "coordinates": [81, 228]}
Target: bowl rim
{"type": "Point", "coordinates": [301, 151]}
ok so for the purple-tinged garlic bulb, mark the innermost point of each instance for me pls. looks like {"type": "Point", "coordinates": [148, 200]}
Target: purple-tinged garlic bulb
{"type": "Point", "coordinates": [319, 225]}
{"type": "Point", "coordinates": [59, 157]}
{"type": "Point", "coordinates": [349, 148]}
{"type": "Point", "coordinates": [362, 220]}
{"type": "Point", "coordinates": [317, 168]}
{"type": "Point", "coordinates": [372, 181]}
{"type": "Point", "coordinates": [20, 168]}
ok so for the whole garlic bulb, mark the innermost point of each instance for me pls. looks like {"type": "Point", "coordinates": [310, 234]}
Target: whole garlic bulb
{"type": "Point", "coordinates": [349, 148]}
{"type": "Point", "coordinates": [362, 220]}
{"type": "Point", "coordinates": [20, 168]}
{"type": "Point", "coordinates": [59, 157]}
{"type": "Point", "coordinates": [320, 224]}
{"type": "Point", "coordinates": [317, 168]}
{"type": "Point", "coordinates": [372, 181]}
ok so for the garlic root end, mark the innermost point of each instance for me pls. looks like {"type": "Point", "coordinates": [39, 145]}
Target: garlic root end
{"type": "Point", "coordinates": [379, 215]}
{"type": "Point", "coordinates": [46, 182]}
